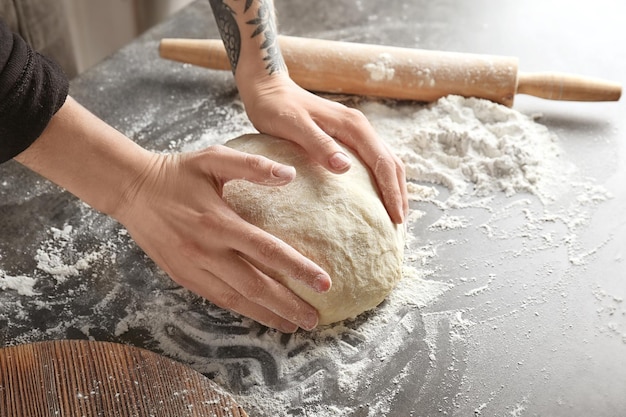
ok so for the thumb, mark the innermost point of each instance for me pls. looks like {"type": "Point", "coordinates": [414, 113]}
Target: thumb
{"type": "Point", "coordinates": [229, 164]}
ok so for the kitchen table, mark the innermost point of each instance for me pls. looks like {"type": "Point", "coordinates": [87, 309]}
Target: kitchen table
{"type": "Point", "coordinates": [532, 322]}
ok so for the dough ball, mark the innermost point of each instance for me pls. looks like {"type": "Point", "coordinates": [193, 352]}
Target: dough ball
{"type": "Point", "coordinates": [337, 221]}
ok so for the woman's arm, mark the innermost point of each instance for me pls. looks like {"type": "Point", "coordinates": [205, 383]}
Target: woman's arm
{"type": "Point", "coordinates": [277, 106]}
{"type": "Point", "coordinates": [170, 204]}
{"type": "Point", "coordinates": [32, 89]}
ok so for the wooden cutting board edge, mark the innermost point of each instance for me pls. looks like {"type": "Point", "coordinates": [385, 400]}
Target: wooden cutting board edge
{"type": "Point", "coordinates": [88, 378]}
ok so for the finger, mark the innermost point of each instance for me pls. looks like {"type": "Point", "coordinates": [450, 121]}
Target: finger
{"type": "Point", "coordinates": [401, 174]}
{"type": "Point", "coordinates": [395, 196]}
{"type": "Point", "coordinates": [356, 132]}
{"type": "Point", "coordinates": [220, 293]}
{"type": "Point", "coordinates": [319, 145]}
{"type": "Point", "coordinates": [388, 171]}
{"type": "Point", "coordinates": [228, 164]}
{"type": "Point", "coordinates": [262, 248]}
{"type": "Point", "coordinates": [248, 290]}
{"type": "Point", "coordinates": [387, 177]}
{"type": "Point", "coordinates": [265, 291]}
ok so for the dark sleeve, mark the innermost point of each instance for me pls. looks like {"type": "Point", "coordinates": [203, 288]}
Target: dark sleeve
{"type": "Point", "coordinates": [32, 89]}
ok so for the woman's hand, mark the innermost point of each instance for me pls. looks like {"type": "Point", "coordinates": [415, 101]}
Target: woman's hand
{"type": "Point", "coordinates": [172, 207]}
{"type": "Point", "coordinates": [175, 212]}
{"type": "Point", "coordinates": [279, 107]}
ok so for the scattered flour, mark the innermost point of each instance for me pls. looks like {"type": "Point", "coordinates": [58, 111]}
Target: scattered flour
{"type": "Point", "coordinates": [449, 222]}
{"type": "Point", "coordinates": [53, 259]}
{"type": "Point", "coordinates": [381, 69]}
{"type": "Point", "coordinates": [50, 257]}
{"type": "Point", "coordinates": [22, 284]}
{"type": "Point", "coordinates": [477, 150]}
{"type": "Point", "coordinates": [459, 153]}
{"type": "Point", "coordinates": [233, 123]}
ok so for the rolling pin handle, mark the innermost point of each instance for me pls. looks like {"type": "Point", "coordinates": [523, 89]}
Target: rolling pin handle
{"type": "Point", "coordinates": [569, 87]}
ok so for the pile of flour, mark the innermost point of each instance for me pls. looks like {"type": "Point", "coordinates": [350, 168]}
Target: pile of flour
{"type": "Point", "coordinates": [472, 147]}
{"type": "Point", "coordinates": [464, 153]}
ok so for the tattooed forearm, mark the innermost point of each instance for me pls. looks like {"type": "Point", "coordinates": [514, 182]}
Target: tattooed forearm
{"type": "Point", "coordinates": [227, 25]}
{"type": "Point", "coordinates": [263, 24]}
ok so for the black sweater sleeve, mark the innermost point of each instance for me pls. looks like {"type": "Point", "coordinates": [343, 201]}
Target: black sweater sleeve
{"type": "Point", "coordinates": [32, 89]}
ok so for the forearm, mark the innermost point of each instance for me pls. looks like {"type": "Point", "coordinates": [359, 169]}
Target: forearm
{"type": "Point", "coordinates": [87, 157]}
{"type": "Point", "coordinates": [278, 107]}
{"type": "Point", "coordinates": [248, 30]}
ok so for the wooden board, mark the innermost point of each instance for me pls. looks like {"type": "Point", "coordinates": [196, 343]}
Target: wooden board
{"type": "Point", "coordinates": [86, 378]}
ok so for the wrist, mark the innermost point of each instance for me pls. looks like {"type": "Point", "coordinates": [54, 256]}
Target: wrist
{"type": "Point", "coordinates": [140, 190]}
{"type": "Point", "coordinates": [87, 157]}
{"type": "Point", "coordinates": [258, 85]}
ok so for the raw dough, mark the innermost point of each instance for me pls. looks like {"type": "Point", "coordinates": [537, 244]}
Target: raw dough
{"type": "Point", "coordinates": [338, 221]}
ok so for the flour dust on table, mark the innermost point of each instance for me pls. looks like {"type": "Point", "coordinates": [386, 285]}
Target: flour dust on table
{"type": "Point", "coordinates": [471, 165]}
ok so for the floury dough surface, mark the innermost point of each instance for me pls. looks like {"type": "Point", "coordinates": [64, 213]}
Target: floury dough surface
{"type": "Point", "coordinates": [338, 221]}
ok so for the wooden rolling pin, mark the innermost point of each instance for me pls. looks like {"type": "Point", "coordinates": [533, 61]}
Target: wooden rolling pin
{"type": "Point", "coordinates": [403, 73]}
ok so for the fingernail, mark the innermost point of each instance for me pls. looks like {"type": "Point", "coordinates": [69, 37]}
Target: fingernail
{"type": "Point", "coordinates": [323, 283]}
{"type": "Point", "coordinates": [339, 161]}
{"type": "Point", "coordinates": [310, 322]}
{"type": "Point", "coordinates": [283, 171]}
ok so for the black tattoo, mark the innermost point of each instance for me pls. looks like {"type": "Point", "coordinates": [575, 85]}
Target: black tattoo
{"type": "Point", "coordinates": [227, 25]}
{"type": "Point", "coordinates": [266, 25]}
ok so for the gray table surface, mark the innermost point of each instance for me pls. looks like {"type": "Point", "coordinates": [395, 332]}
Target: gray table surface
{"type": "Point", "coordinates": [548, 338]}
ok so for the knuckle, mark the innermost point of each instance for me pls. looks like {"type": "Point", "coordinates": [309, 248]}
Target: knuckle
{"type": "Point", "coordinates": [189, 249]}
{"type": "Point", "coordinates": [255, 291]}
{"type": "Point", "coordinates": [384, 164]}
{"type": "Point", "coordinates": [324, 144]}
{"type": "Point", "coordinates": [354, 116]}
{"type": "Point", "coordinates": [213, 151]}
{"type": "Point", "coordinates": [323, 139]}
{"type": "Point", "coordinates": [302, 272]}
{"type": "Point", "coordinates": [229, 299]}
{"type": "Point", "coordinates": [209, 224]}
{"type": "Point", "coordinates": [288, 116]}
{"type": "Point", "coordinates": [217, 224]}
{"type": "Point", "coordinates": [268, 248]}
{"type": "Point", "coordinates": [254, 162]}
